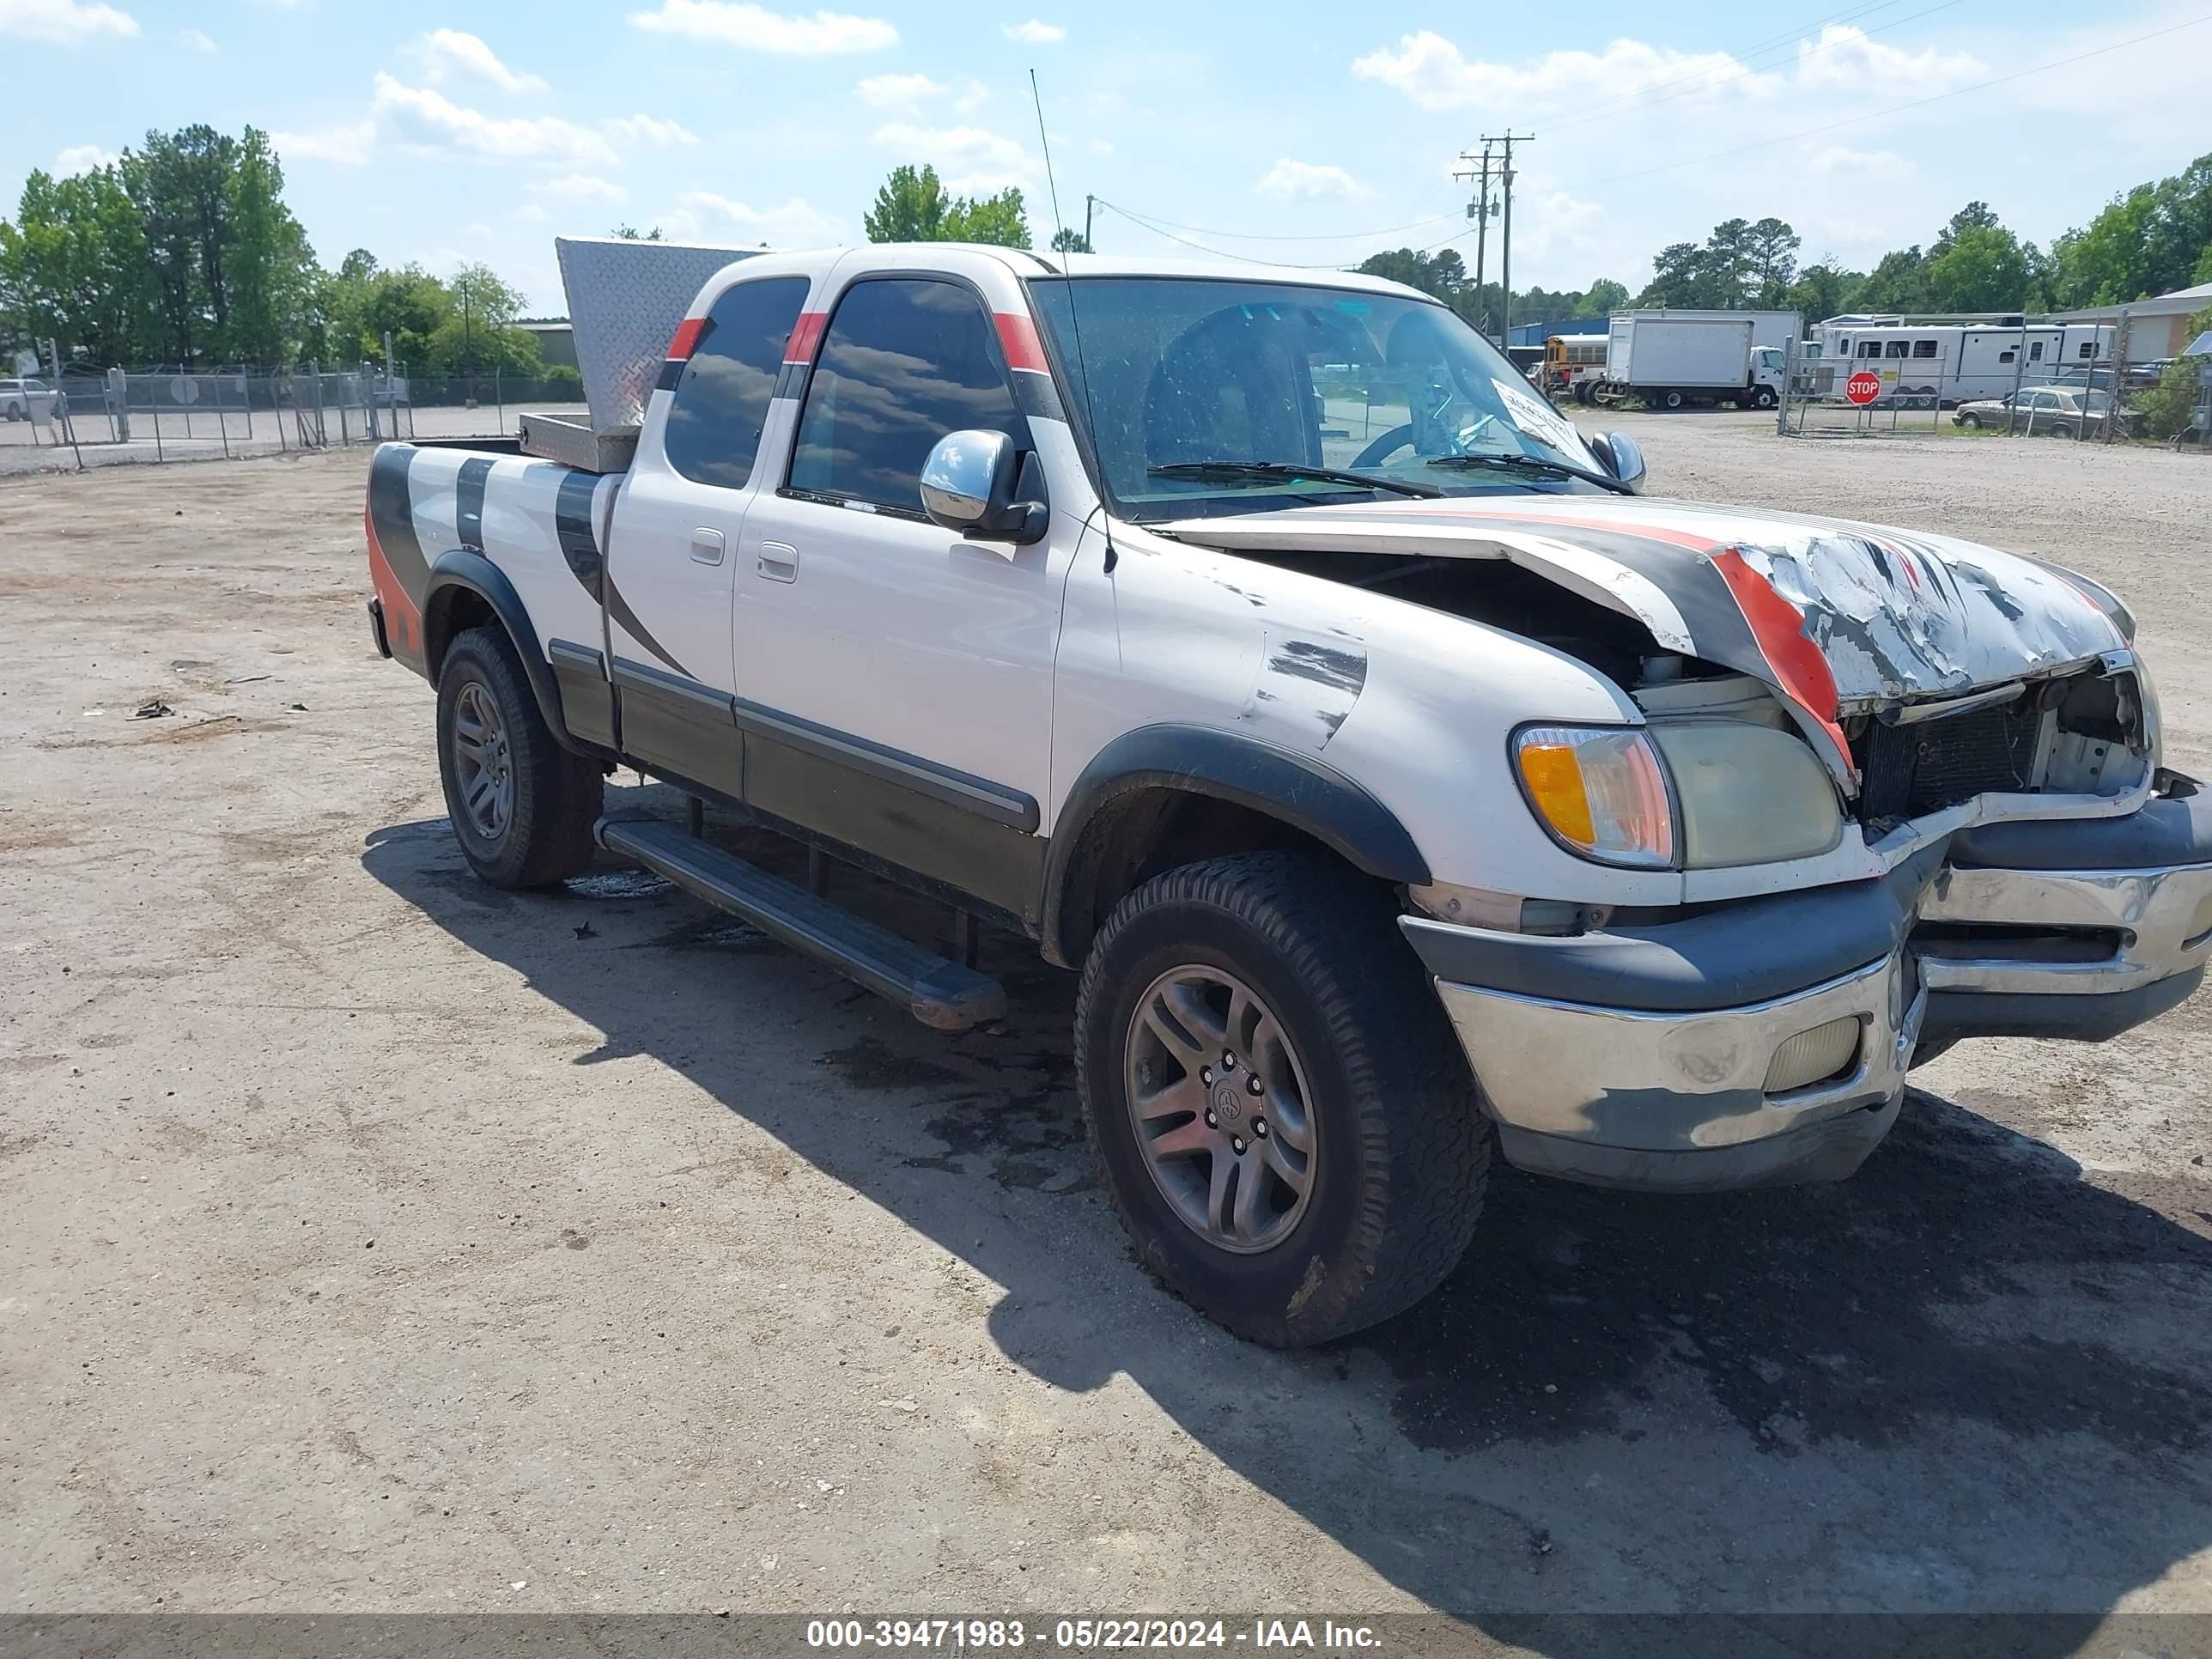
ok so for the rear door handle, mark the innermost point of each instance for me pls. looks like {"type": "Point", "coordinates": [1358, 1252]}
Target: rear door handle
{"type": "Point", "coordinates": [707, 546]}
{"type": "Point", "coordinates": [779, 561]}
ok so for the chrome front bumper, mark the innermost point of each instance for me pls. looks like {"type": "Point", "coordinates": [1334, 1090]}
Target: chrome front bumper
{"type": "Point", "coordinates": [1621, 1069]}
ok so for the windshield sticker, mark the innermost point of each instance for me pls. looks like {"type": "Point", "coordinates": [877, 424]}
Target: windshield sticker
{"type": "Point", "coordinates": [1538, 418]}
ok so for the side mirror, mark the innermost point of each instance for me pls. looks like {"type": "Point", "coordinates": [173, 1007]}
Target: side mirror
{"type": "Point", "coordinates": [972, 483]}
{"type": "Point", "coordinates": [1623, 457]}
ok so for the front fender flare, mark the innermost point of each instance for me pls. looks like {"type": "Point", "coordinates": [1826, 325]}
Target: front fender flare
{"type": "Point", "coordinates": [1294, 789]}
{"type": "Point", "coordinates": [462, 568]}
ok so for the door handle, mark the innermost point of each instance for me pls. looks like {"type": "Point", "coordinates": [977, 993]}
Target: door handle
{"type": "Point", "coordinates": [707, 546]}
{"type": "Point", "coordinates": [779, 561]}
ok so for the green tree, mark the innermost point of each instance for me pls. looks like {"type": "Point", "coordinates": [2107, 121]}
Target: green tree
{"type": "Point", "coordinates": [1067, 239]}
{"type": "Point", "coordinates": [181, 184]}
{"type": "Point", "coordinates": [1681, 277]}
{"type": "Point", "coordinates": [1898, 284]}
{"type": "Point", "coordinates": [477, 332]}
{"type": "Point", "coordinates": [269, 269]}
{"type": "Point", "coordinates": [74, 268]}
{"type": "Point", "coordinates": [1770, 264]}
{"type": "Point", "coordinates": [631, 233]}
{"type": "Point", "coordinates": [913, 205]}
{"type": "Point", "coordinates": [910, 207]}
{"type": "Point", "coordinates": [998, 219]}
{"type": "Point", "coordinates": [1602, 298]}
{"type": "Point", "coordinates": [1978, 268]}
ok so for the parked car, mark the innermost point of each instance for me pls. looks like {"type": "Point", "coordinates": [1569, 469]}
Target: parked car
{"type": "Point", "coordinates": [2043, 411]}
{"type": "Point", "coordinates": [1404, 795]}
{"type": "Point", "coordinates": [29, 400]}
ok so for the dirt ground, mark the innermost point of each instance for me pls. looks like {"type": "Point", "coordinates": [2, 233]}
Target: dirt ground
{"type": "Point", "coordinates": [376, 1241]}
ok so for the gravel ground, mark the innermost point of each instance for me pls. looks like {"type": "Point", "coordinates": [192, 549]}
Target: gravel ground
{"type": "Point", "coordinates": [381, 1242]}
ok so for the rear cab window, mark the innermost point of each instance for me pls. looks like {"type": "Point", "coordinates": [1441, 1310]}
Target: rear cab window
{"type": "Point", "coordinates": [713, 430]}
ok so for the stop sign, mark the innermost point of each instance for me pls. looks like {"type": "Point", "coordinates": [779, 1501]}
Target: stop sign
{"type": "Point", "coordinates": [1863, 387]}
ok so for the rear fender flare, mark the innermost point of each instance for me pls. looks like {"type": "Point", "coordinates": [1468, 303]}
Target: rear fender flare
{"type": "Point", "coordinates": [462, 569]}
{"type": "Point", "coordinates": [1294, 789]}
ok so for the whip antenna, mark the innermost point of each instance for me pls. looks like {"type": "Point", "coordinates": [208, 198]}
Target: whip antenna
{"type": "Point", "coordinates": [1074, 322]}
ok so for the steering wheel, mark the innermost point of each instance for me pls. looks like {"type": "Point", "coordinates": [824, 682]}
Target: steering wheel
{"type": "Point", "coordinates": [1388, 444]}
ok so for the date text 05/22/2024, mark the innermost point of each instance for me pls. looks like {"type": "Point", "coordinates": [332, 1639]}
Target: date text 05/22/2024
{"type": "Point", "coordinates": [1094, 1634]}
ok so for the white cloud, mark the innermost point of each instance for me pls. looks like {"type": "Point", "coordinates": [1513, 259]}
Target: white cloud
{"type": "Point", "coordinates": [1434, 74]}
{"type": "Point", "coordinates": [531, 212]}
{"type": "Point", "coordinates": [973, 99]}
{"type": "Point", "coordinates": [421, 115]}
{"type": "Point", "coordinates": [583, 187]}
{"type": "Point", "coordinates": [1844, 57]}
{"type": "Point", "coordinates": [649, 130]}
{"type": "Point", "coordinates": [897, 91]}
{"type": "Point", "coordinates": [454, 52]}
{"type": "Point", "coordinates": [1035, 33]}
{"type": "Point", "coordinates": [348, 144]}
{"type": "Point", "coordinates": [756, 29]}
{"type": "Point", "coordinates": [81, 158]}
{"type": "Point", "coordinates": [1860, 163]}
{"type": "Point", "coordinates": [1289, 180]}
{"type": "Point", "coordinates": [797, 223]}
{"type": "Point", "coordinates": [972, 159]}
{"type": "Point", "coordinates": [62, 22]}
{"type": "Point", "coordinates": [198, 40]}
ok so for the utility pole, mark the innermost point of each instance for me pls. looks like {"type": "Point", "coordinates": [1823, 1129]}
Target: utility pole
{"type": "Point", "coordinates": [1087, 202]}
{"type": "Point", "coordinates": [1479, 209]}
{"type": "Point", "coordinates": [1508, 139]}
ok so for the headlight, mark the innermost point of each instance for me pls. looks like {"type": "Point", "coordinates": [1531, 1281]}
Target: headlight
{"type": "Point", "coordinates": [1699, 794]}
{"type": "Point", "coordinates": [1600, 790]}
{"type": "Point", "coordinates": [1747, 794]}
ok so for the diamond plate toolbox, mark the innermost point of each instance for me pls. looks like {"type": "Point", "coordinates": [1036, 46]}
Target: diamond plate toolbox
{"type": "Point", "coordinates": [625, 299]}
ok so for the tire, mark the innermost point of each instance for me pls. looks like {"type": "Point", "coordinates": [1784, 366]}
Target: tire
{"type": "Point", "coordinates": [1673, 399]}
{"type": "Point", "coordinates": [551, 797]}
{"type": "Point", "coordinates": [1764, 398]}
{"type": "Point", "coordinates": [15, 412]}
{"type": "Point", "coordinates": [1397, 1148]}
{"type": "Point", "coordinates": [1582, 392]}
{"type": "Point", "coordinates": [2059, 430]}
{"type": "Point", "coordinates": [1971, 423]}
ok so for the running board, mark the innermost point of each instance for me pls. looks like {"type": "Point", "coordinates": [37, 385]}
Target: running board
{"type": "Point", "coordinates": [936, 990]}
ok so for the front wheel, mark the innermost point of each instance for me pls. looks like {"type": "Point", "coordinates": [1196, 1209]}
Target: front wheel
{"type": "Point", "coordinates": [2060, 429]}
{"type": "Point", "coordinates": [1971, 423]}
{"type": "Point", "coordinates": [1284, 1120]}
{"type": "Point", "coordinates": [1764, 398]}
{"type": "Point", "coordinates": [521, 806]}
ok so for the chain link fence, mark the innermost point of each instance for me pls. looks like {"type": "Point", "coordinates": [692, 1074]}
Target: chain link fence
{"type": "Point", "coordinates": [93, 417]}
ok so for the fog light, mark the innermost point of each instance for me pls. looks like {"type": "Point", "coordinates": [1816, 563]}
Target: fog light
{"type": "Point", "coordinates": [1814, 1055]}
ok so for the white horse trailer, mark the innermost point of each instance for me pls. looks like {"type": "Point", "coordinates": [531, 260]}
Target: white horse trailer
{"type": "Point", "coordinates": [1929, 366]}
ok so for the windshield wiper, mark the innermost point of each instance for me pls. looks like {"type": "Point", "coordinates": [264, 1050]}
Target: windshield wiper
{"type": "Point", "coordinates": [1265, 471]}
{"type": "Point", "coordinates": [1534, 464]}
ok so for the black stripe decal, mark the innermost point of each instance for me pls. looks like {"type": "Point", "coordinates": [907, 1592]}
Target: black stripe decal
{"type": "Point", "coordinates": [580, 657]}
{"type": "Point", "coordinates": [391, 510]}
{"type": "Point", "coordinates": [468, 502]}
{"type": "Point", "coordinates": [618, 608]}
{"type": "Point", "coordinates": [672, 371]}
{"type": "Point", "coordinates": [978, 795]}
{"type": "Point", "coordinates": [790, 380]}
{"type": "Point", "coordinates": [571, 528]}
{"type": "Point", "coordinates": [1036, 396]}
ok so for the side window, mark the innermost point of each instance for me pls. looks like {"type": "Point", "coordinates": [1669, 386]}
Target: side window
{"type": "Point", "coordinates": [904, 360]}
{"type": "Point", "coordinates": [1923, 348]}
{"type": "Point", "coordinates": [2006, 357]}
{"type": "Point", "coordinates": [2035, 351]}
{"type": "Point", "coordinates": [722, 401]}
{"type": "Point", "coordinates": [1869, 348]}
{"type": "Point", "coordinates": [2088, 350]}
{"type": "Point", "coordinates": [1901, 348]}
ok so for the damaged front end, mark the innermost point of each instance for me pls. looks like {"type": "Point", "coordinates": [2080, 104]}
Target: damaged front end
{"type": "Point", "coordinates": [2016, 862]}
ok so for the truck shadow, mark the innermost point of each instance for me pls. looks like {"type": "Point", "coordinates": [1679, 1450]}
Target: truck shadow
{"type": "Point", "coordinates": [1968, 1379]}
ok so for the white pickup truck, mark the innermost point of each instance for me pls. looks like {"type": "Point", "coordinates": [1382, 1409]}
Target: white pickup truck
{"type": "Point", "coordinates": [1403, 783]}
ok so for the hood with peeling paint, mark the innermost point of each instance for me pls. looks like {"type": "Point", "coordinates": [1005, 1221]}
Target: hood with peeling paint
{"type": "Point", "coordinates": [1837, 616]}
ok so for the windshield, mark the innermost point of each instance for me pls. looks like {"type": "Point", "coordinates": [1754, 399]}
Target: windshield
{"type": "Point", "coordinates": [1198, 377]}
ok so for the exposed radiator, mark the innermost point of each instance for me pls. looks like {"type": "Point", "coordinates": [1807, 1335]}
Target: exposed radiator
{"type": "Point", "coordinates": [1908, 770]}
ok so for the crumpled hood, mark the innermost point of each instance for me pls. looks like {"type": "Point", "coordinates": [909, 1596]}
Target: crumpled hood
{"type": "Point", "coordinates": [1836, 615]}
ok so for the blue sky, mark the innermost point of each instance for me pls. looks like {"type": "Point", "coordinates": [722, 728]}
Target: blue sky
{"type": "Point", "coordinates": [1304, 132]}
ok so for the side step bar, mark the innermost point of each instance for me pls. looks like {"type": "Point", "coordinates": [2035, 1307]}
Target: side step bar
{"type": "Point", "coordinates": [936, 990]}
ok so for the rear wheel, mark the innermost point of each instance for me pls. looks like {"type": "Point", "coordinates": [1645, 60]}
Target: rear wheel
{"type": "Point", "coordinates": [521, 806]}
{"type": "Point", "coordinates": [2059, 429]}
{"type": "Point", "coordinates": [1673, 399]}
{"type": "Point", "coordinates": [1283, 1119]}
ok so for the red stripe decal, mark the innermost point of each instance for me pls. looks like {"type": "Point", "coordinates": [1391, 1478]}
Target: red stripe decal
{"type": "Point", "coordinates": [805, 337]}
{"type": "Point", "coordinates": [403, 618]}
{"type": "Point", "coordinates": [1018, 338]}
{"type": "Point", "coordinates": [1779, 628]}
{"type": "Point", "coordinates": [687, 338]}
